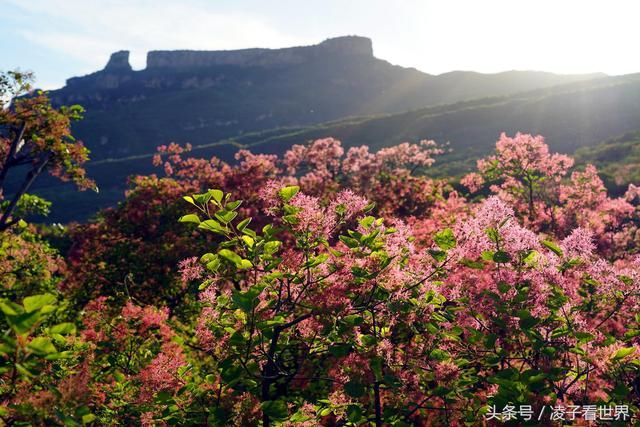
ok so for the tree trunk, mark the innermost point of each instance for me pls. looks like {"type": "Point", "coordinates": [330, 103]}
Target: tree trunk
{"type": "Point", "coordinates": [378, 405]}
{"type": "Point", "coordinates": [31, 177]}
{"type": "Point", "coordinates": [12, 151]}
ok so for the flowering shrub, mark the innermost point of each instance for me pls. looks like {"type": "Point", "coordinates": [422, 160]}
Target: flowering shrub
{"type": "Point", "coordinates": [493, 314]}
{"type": "Point", "coordinates": [139, 244]}
{"type": "Point", "coordinates": [35, 137]}
{"type": "Point", "coordinates": [525, 174]}
{"type": "Point", "coordinates": [331, 286]}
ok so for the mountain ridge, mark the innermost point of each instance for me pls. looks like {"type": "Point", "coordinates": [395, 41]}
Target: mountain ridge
{"type": "Point", "coordinates": [268, 98]}
{"type": "Point", "coordinates": [237, 91]}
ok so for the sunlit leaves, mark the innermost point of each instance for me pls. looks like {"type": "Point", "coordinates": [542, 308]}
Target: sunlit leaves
{"type": "Point", "coordinates": [190, 218]}
{"type": "Point", "coordinates": [445, 239]}
{"type": "Point", "coordinates": [288, 193]}
{"type": "Point", "coordinates": [552, 247]}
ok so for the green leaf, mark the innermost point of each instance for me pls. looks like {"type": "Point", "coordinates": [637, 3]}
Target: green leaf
{"type": "Point", "coordinates": [367, 221]}
{"type": "Point", "coordinates": [553, 247]}
{"type": "Point", "coordinates": [340, 350]}
{"type": "Point", "coordinates": [316, 261]}
{"type": "Point", "coordinates": [245, 264]}
{"type": "Point", "coordinates": [272, 247]}
{"type": "Point", "coordinates": [232, 206]}
{"type": "Point", "coordinates": [487, 255]}
{"type": "Point", "coordinates": [217, 195]}
{"type": "Point", "coordinates": [445, 239]}
{"type": "Point", "coordinates": [63, 328]}
{"type": "Point", "coordinates": [530, 258]}
{"type": "Point", "coordinates": [212, 225]}
{"type": "Point", "coordinates": [230, 255]}
{"type": "Point", "coordinates": [23, 322]}
{"type": "Point", "coordinates": [527, 321]}
{"type": "Point", "coordinates": [350, 242]}
{"type": "Point", "coordinates": [501, 257]}
{"type": "Point", "coordinates": [61, 355]}
{"type": "Point", "coordinates": [440, 355]}
{"type": "Point", "coordinates": [353, 320]}
{"type": "Point", "coordinates": [490, 341]}
{"type": "Point", "coordinates": [226, 216]}
{"type": "Point", "coordinates": [368, 340]}
{"type": "Point", "coordinates": [439, 256]}
{"type": "Point", "coordinates": [247, 300]}
{"type": "Point", "coordinates": [10, 308]}
{"type": "Point", "coordinates": [248, 241]}
{"type": "Point", "coordinates": [287, 193]}
{"type": "Point", "coordinates": [243, 224]}
{"type": "Point", "coordinates": [235, 259]}
{"type": "Point", "coordinates": [42, 346]}
{"type": "Point", "coordinates": [231, 374]}
{"type": "Point", "coordinates": [376, 366]}
{"type": "Point", "coordinates": [24, 371]}
{"type": "Point", "coordinates": [503, 287]}
{"type": "Point", "coordinates": [213, 264]}
{"type": "Point", "coordinates": [189, 199]}
{"type": "Point", "coordinates": [623, 352]}
{"type": "Point", "coordinates": [275, 409]}
{"type": "Point", "coordinates": [190, 218]}
{"type": "Point", "coordinates": [36, 302]}
{"type": "Point", "coordinates": [354, 414]}
{"type": "Point", "coordinates": [493, 234]}
{"type": "Point", "coordinates": [237, 339]}
{"type": "Point", "coordinates": [472, 264]}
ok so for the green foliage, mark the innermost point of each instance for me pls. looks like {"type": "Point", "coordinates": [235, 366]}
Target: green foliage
{"type": "Point", "coordinates": [617, 159]}
{"type": "Point", "coordinates": [445, 239]}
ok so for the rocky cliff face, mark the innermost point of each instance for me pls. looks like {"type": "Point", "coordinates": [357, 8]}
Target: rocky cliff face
{"type": "Point", "coordinates": [119, 61]}
{"type": "Point", "coordinates": [181, 59]}
{"type": "Point", "coordinates": [185, 68]}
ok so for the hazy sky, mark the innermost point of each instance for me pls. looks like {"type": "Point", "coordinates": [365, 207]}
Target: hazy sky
{"type": "Point", "coordinates": [62, 38]}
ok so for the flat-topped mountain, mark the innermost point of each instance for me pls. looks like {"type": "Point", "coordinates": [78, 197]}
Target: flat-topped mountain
{"type": "Point", "coordinates": [181, 59]}
{"type": "Point", "coordinates": [275, 97]}
{"type": "Point", "coordinates": [204, 96]}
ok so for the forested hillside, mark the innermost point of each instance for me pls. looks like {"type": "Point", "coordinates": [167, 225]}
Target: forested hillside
{"type": "Point", "coordinates": [570, 116]}
{"type": "Point", "coordinates": [618, 160]}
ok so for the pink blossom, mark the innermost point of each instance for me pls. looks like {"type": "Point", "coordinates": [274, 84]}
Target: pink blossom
{"type": "Point", "coordinates": [161, 374]}
{"type": "Point", "coordinates": [311, 217]}
{"type": "Point", "coordinates": [190, 269]}
{"type": "Point", "coordinates": [472, 181]}
{"type": "Point", "coordinates": [350, 202]}
{"type": "Point", "coordinates": [578, 244]}
{"type": "Point", "coordinates": [632, 193]}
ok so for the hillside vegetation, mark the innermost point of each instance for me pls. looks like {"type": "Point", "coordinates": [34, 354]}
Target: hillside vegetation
{"type": "Point", "coordinates": [618, 160]}
{"type": "Point", "coordinates": [570, 116]}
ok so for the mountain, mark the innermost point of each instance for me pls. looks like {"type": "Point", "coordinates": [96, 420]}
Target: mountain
{"type": "Point", "coordinates": [570, 116]}
{"type": "Point", "coordinates": [205, 96]}
{"type": "Point", "coordinates": [271, 98]}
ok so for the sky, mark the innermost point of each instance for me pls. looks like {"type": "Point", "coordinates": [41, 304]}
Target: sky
{"type": "Point", "coordinates": [58, 39]}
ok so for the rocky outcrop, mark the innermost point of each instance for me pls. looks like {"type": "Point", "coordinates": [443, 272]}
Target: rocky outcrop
{"type": "Point", "coordinates": [119, 61]}
{"type": "Point", "coordinates": [162, 66]}
{"type": "Point", "coordinates": [182, 59]}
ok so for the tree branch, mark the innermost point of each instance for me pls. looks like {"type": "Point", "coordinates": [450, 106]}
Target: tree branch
{"type": "Point", "coordinates": [8, 161]}
{"type": "Point", "coordinates": [5, 223]}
